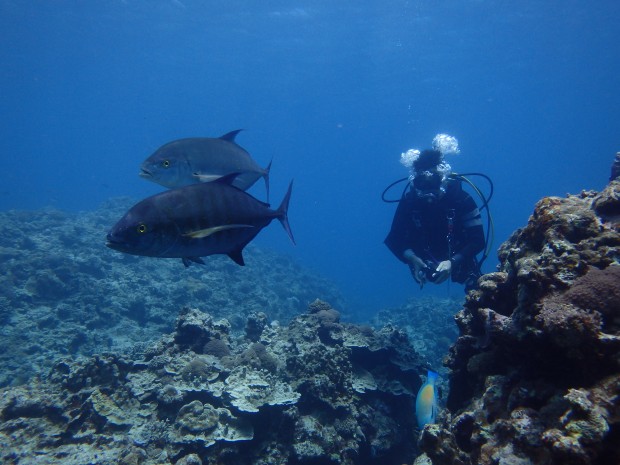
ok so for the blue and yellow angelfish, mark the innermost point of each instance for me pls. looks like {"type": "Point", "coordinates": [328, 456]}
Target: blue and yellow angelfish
{"type": "Point", "coordinates": [426, 401]}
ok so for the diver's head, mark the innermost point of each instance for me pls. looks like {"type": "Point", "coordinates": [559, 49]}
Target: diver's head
{"type": "Point", "coordinates": [430, 175]}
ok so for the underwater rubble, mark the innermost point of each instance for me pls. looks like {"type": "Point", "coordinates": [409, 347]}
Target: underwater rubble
{"type": "Point", "coordinates": [315, 391]}
{"type": "Point", "coordinates": [63, 292]}
{"type": "Point", "coordinates": [536, 368]}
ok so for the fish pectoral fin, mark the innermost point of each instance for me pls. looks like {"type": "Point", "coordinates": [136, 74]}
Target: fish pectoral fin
{"type": "Point", "coordinates": [206, 177]}
{"type": "Point", "coordinates": [201, 233]}
{"type": "Point", "coordinates": [187, 260]}
{"type": "Point", "coordinates": [237, 257]}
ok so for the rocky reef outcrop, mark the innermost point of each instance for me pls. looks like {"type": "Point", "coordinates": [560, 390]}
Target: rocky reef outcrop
{"type": "Point", "coordinates": [315, 391]}
{"type": "Point", "coordinates": [429, 323]}
{"type": "Point", "coordinates": [536, 368]}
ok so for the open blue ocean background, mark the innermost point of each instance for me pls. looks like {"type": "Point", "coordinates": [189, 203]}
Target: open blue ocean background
{"type": "Point", "coordinates": [333, 91]}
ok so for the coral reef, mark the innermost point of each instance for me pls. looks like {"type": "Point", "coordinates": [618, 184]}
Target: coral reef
{"type": "Point", "coordinates": [314, 391]}
{"type": "Point", "coordinates": [73, 296]}
{"type": "Point", "coordinates": [536, 368]}
{"type": "Point", "coordinates": [534, 374]}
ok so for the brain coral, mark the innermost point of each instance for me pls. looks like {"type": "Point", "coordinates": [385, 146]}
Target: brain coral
{"type": "Point", "coordinates": [598, 290]}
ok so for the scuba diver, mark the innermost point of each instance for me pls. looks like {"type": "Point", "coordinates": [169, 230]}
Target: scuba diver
{"type": "Point", "coordinates": [437, 228]}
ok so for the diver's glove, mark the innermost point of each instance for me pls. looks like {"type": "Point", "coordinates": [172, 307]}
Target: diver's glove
{"type": "Point", "coordinates": [442, 272]}
{"type": "Point", "coordinates": [416, 266]}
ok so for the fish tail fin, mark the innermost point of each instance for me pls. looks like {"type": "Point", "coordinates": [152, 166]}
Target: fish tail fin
{"type": "Point", "coordinates": [282, 212]}
{"type": "Point", "coordinates": [432, 376]}
{"type": "Point", "coordinates": [266, 177]}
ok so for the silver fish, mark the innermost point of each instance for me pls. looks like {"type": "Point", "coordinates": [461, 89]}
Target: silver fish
{"type": "Point", "coordinates": [203, 159]}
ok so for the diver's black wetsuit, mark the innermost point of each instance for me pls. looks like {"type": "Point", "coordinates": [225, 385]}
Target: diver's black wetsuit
{"type": "Point", "coordinates": [423, 227]}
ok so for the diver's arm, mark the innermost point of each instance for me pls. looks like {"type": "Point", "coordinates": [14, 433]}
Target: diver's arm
{"type": "Point", "coordinates": [416, 266]}
{"type": "Point", "coordinates": [473, 244]}
{"type": "Point", "coordinates": [472, 233]}
{"type": "Point", "coordinates": [413, 260]}
{"type": "Point", "coordinates": [401, 238]}
{"type": "Point", "coordinates": [398, 239]}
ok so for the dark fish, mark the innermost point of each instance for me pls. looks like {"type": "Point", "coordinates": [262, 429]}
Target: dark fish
{"type": "Point", "coordinates": [203, 159]}
{"type": "Point", "coordinates": [195, 221]}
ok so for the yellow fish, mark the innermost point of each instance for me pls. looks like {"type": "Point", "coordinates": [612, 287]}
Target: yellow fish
{"type": "Point", "coordinates": [426, 401]}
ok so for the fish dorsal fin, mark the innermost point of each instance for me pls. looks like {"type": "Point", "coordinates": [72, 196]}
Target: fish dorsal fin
{"type": "Point", "coordinates": [230, 136]}
{"type": "Point", "coordinates": [237, 257]}
{"type": "Point", "coordinates": [202, 233]}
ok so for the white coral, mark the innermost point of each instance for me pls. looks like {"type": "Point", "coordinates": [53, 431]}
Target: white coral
{"type": "Point", "coordinates": [249, 390]}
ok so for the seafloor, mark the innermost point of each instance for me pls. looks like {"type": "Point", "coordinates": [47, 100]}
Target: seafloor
{"type": "Point", "coordinates": [108, 358]}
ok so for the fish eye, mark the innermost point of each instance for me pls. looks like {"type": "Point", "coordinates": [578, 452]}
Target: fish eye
{"type": "Point", "coordinates": [141, 228]}
{"type": "Point", "coordinates": [165, 163]}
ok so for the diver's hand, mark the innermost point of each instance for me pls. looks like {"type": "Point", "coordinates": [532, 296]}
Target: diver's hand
{"type": "Point", "coordinates": [416, 266]}
{"type": "Point", "coordinates": [442, 272]}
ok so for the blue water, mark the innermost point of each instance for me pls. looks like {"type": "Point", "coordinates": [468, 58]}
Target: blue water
{"type": "Point", "coordinates": [333, 91]}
